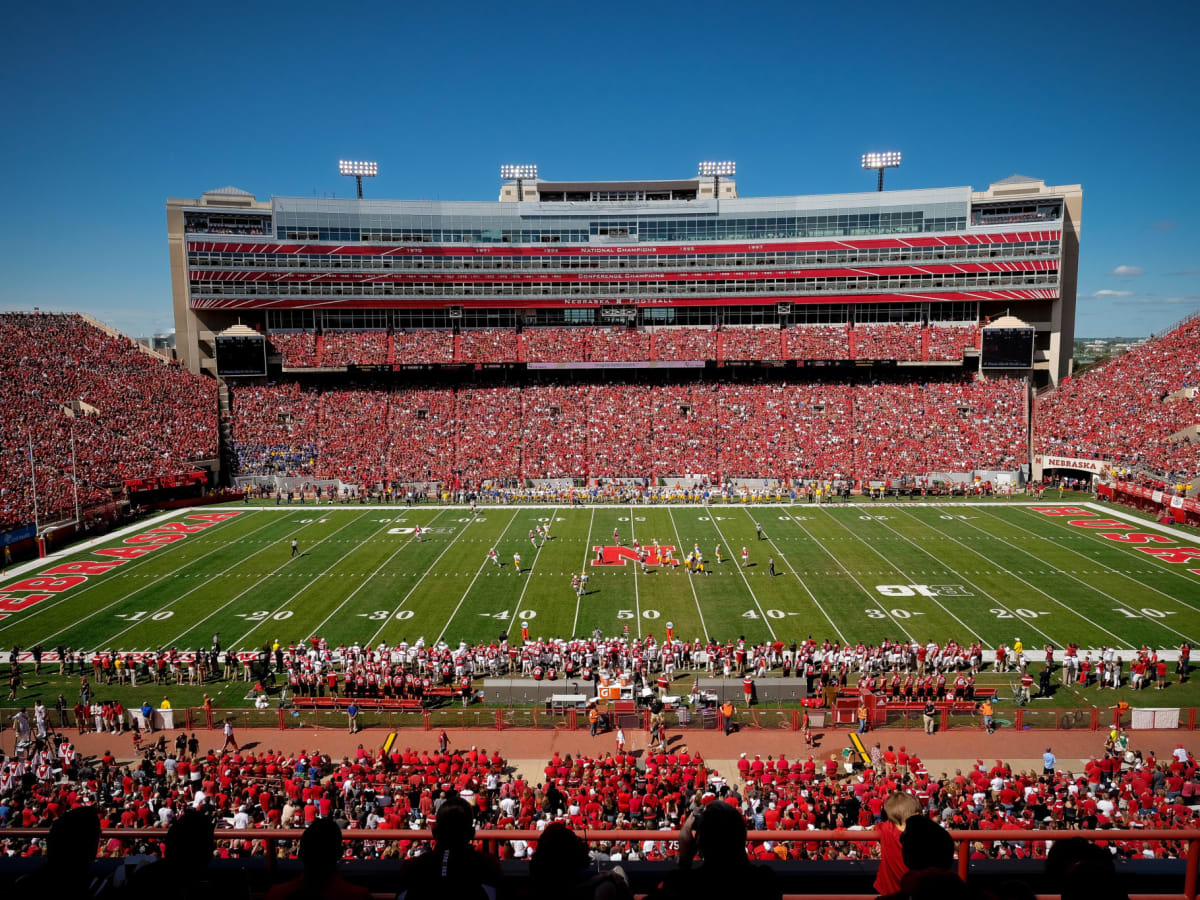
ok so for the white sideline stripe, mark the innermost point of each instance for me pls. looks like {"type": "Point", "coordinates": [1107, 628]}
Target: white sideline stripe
{"type": "Point", "coordinates": [532, 566]}
{"type": "Point", "coordinates": [425, 575]}
{"type": "Point", "coordinates": [146, 586]}
{"type": "Point", "coordinates": [587, 552]}
{"type": "Point", "coordinates": [1129, 517]}
{"type": "Point", "coordinates": [792, 569]}
{"type": "Point", "coordinates": [691, 584]}
{"type": "Point", "coordinates": [1159, 568]}
{"type": "Point", "coordinates": [712, 519]}
{"type": "Point", "coordinates": [1120, 603]}
{"type": "Point", "coordinates": [371, 577]}
{"type": "Point", "coordinates": [18, 570]}
{"type": "Point", "coordinates": [37, 564]}
{"type": "Point", "coordinates": [910, 578]}
{"type": "Point", "coordinates": [999, 603]}
{"type": "Point", "coordinates": [314, 579]}
{"type": "Point", "coordinates": [479, 572]}
{"type": "Point", "coordinates": [257, 581]}
{"type": "Point", "coordinates": [871, 598]}
{"type": "Point", "coordinates": [729, 505]}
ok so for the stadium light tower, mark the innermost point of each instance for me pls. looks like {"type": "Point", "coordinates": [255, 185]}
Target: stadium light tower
{"type": "Point", "coordinates": [716, 170]}
{"type": "Point", "coordinates": [519, 174]}
{"type": "Point", "coordinates": [881, 161]}
{"type": "Point", "coordinates": [359, 170]}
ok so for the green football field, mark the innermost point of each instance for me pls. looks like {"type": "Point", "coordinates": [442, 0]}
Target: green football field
{"type": "Point", "coordinates": [864, 572]}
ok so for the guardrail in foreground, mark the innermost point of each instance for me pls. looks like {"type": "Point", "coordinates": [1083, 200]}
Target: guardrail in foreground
{"type": "Point", "coordinates": [490, 839]}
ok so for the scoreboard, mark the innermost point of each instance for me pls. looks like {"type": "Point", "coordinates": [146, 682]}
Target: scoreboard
{"type": "Point", "coordinates": [1007, 348]}
{"type": "Point", "coordinates": [241, 355]}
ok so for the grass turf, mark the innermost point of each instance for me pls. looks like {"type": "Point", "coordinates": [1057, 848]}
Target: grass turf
{"type": "Point", "coordinates": [867, 571]}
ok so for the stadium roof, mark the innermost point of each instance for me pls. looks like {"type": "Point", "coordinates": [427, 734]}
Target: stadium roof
{"type": "Point", "coordinates": [231, 191]}
{"type": "Point", "coordinates": [1018, 179]}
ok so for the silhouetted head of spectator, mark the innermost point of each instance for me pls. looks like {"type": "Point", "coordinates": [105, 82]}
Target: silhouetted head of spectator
{"type": "Point", "coordinates": [321, 849]}
{"type": "Point", "coordinates": [721, 834]}
{"type": "Point", "coordinates": [1080, 869]}
{"type": "Point", "coordinates": [455, 825]}
{"type": "Point", "coordinates": [560, 856]}
{"type": "Point", "coordinates": [926, 845]}
{"type": "Point", "coordinates": [73, 840]}
{"type": "Point", "coordinates": [190, 841]}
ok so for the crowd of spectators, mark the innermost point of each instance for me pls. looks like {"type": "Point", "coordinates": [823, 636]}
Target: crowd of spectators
{"type": "Point", "coordinates": [489, 345]}
{"type": "Point", "coordinates": [423, 346]}
{"type": "Point", "coordinates": [340, 348]}
{"type": "Point", "coordinates": [818, 342]}
{"type": "Point", "coordinates": [1119, 411]}
{"type": "Point", "coordinates": [621, 344]}
{"type": "Point", "coordinates": [752, 344]}
{"type": "Point", "coordinates": [946, 343]}
{"type": "Point", "coordinates": [297, 349]}
{"type": "Point", "coordinates": [778, 428]}
{"type": "Point", "coordinates": [899, 342]}
{"type": "Point", "coordinates": [70, 388]}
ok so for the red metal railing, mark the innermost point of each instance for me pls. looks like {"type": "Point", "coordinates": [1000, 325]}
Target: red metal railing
{"type": "Point", "coordinates": [490, 839]}
{"type": "Point", "coordinates": [757, 718]}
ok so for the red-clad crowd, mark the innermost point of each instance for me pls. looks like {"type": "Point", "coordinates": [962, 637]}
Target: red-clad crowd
{"type": "Point", "coordinates": [752, 343]}
{"type": "Point", "coordinates": [807, 429]}
{"type": "Point", "coordinates": [818, 342]}
{"type": "Point", "coordinates": [423, 346]}
{"type": "Point", "coordinates": [131, 414]}
{"type": "Point", "coordinates": [685, 343]}
{"type": "Point", "coordinates": [297, 349]}
{"type": "Point", "coordinates": [340, 348]}
{"type": "Point", "coordinates": [489, 345]}
{"type": "Point", "coordinates": [901, 342]}
{"type": "Point", "coordinates": [1128, 411]}
{"type": "Point", "coordinates": [947, 342]}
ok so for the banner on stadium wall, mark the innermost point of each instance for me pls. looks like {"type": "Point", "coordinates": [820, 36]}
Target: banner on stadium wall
{"type": "Point", "coordinates": [1067, 462]}
{"type": "Point", "coordinates": [1145, 493]}
{"type": "Point", "coordinates": [17, 535]}
{"type": "Point", "coordinates": [654, 364]}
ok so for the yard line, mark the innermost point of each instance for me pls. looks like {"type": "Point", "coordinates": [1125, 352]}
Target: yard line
{"type": "Point", "coordinates": [371, 577]}
{"type": "Point", "coordinates": [905, 574]}
{"type": "Point", "coordinates": [762, 612]}
{"type": "Point", "coordinates": [144, 587]}
{"type": "Point", "coordinates": [425, 575]}
{"type": "Point", "coordinates": [587, 550]}
{"type": "Point", "coordinates": [529, 577]}
{"type": "Point", "coordinates": [811, 596]}
{"type": "Point", "coordinates": [120, 570]}
{"type": "Point", "coordinates": [637, 602]}
{"type": "Point", "coordinates": [1119, 603]}
{"type": "Point", "coordinates": [256, 583]}
{"type": "Point", "coordinates": [870, 597]}
{"type": "Point", "coordinates": [458, 606]}
{"type": "Point", "coordinates": [972, 583]}
{"type": "Point", "coordinates": [1158, 568]}
{"type": "Point", "coordinates": [691, 584]}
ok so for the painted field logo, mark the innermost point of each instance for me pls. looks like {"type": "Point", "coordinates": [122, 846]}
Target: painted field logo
{"type": "Point", "coordinates": [618, 556]}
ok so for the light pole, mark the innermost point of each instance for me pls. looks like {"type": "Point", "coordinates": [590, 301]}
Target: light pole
{"type": "Point", "coordinates": [716, 170]}
{"type": "Point", "coordinates": [519, 174]}
{"type": "Point", "coordinates": [881, 161]}
{"type": "Point", "coordinates": [359, 170]}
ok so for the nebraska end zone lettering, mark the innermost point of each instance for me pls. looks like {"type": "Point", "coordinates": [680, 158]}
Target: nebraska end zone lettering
{"type": "Point", "coordinates": [28, 592]}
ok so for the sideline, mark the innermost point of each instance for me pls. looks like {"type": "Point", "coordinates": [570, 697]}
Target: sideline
{"type": "Point", "coordinates": [1103, 510]}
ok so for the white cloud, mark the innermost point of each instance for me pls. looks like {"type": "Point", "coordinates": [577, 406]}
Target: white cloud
{"type": "Point", "coordinates": [1108, 293]}
{"type": "Point", "coordinates": [1127, 271]}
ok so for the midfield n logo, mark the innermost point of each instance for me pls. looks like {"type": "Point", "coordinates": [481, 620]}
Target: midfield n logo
{"type": "Point", "coordinates": [617, 556]}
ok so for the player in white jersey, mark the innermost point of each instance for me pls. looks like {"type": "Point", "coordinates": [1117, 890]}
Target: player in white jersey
{"type": "Point", "coordinates": [517, 562]}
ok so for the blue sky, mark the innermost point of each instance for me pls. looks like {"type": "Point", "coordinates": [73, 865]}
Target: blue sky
{"type": "Point", "coordinates": [108, 112]}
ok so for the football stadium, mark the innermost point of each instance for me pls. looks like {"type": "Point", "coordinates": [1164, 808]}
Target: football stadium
{"type": "Point", "coordinates": [604, 539]}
